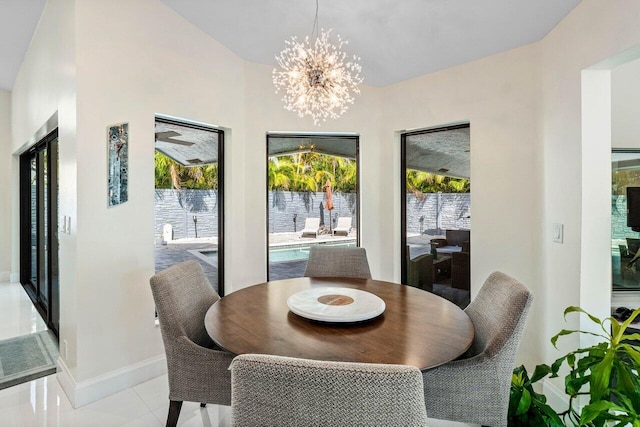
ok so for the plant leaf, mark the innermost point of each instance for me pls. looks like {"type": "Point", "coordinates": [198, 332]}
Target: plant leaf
{"type": "Point", "coordinates": [540, 372]}
{"type": "Point", "coordinates": [600, 376]}
{"type": "Point", "coordinates": [525, 402]}
{"type": "Point", "coordinates": [591, 411]}
{"type": "Point", "coordinates": [616, 339]}
{"type": "Point", "coordinates": [574, 309]}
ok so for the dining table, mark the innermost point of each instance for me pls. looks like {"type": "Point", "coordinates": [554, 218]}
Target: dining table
{"type": "Point", "coordinates": [416, 328]}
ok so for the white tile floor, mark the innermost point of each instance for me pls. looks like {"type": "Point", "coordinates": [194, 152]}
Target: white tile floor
{"type": "Point", "coordinates": [18, 316]}
{"type": "Point", "coordinates": [42, 402]}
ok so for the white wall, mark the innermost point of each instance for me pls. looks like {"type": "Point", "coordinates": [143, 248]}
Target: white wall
{"type": "Point", "coordinates": [147, 61]}
{"type": "Point", "coordinates": [625, 105]}
{"type": "Point", "coordinates": [44, 87]}
{"type": "Point", "coordinates": [5, 188]}
{"type": "Point", "coordinates": [592, 32]}
{"type": "Point", "coordinates": [498, 95]}
{"type": "Point", "coordinates": [524, 107]}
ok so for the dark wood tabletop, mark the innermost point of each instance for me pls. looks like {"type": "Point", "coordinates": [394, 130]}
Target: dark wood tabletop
{"type": "Point", "coordinates": [417, 328]}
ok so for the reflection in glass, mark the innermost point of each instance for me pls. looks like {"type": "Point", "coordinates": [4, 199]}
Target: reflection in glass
{"type": "Point", "coordinates": [187, 196]}
{"type": "Point", "coordinates": [437, 207]}
{"type": "Point", "coordinates": [625, 242]}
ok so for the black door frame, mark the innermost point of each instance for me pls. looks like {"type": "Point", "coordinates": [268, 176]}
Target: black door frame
{"type": "Point", "coordinates": [51, 311]}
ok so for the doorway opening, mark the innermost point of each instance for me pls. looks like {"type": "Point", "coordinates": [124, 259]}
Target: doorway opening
{"type": "Point", "coordinates": [436, 217]}
{"type": "Point", "coordinates": [189, 195]}
{"type": "Point", "coordinates": [39, 228]}
{"type": "Point", "coordinates": [312, 198]}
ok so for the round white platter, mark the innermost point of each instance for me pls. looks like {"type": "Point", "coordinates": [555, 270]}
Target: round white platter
{"type": "Point", "coordinates": [336, 304]}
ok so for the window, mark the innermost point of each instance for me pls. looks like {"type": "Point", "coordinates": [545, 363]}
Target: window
{"type": "Point", "coordinates": [189, 196]}
{"type": "Point", "coordinates": [312, 196]}
{"type": "Point", "coordinates": [436, 217]}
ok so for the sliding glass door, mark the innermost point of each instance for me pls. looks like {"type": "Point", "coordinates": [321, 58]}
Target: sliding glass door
{"type": "Point", "coordinates": [39, 227]}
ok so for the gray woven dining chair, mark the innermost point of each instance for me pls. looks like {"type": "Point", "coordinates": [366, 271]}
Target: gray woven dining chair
{"type": "Point", "coordinates": [331, 261]}
{"type": "Point", "coordinates": [284, 391]}
{"type": "Point", "coordinates": [198, 372]}
{"type": "Point", "coordinates": [475, 389]}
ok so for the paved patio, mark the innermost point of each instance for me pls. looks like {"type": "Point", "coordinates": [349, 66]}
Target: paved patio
{"type": "Point", "coordinates": [204, 250]}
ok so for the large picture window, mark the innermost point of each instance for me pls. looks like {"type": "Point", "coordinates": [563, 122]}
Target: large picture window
{"type": "Point", "coordinates": [436, 215]}
{"type": "Point", "coordinates": [312, 198]}
{"type": "Point", "coordinates": [189, 196]}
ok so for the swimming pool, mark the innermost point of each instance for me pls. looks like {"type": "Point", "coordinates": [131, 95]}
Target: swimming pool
{"type": "Point", "coordinates": [297, 253]}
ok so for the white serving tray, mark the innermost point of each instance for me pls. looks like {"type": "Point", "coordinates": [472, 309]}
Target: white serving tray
{"type": "Point", "coordinates": [336, 304]}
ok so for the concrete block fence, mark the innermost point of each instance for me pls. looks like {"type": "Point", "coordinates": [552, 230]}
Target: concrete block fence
{"type": "Point", "coordinates": [429, 214]}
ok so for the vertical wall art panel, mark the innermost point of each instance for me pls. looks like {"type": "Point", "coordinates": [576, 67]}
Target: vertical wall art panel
{"type": "Point", "coordinates": [118, 153]}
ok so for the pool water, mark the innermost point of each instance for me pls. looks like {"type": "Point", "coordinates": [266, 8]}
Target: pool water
{"type": "Point", "coordinates": [297, 253]}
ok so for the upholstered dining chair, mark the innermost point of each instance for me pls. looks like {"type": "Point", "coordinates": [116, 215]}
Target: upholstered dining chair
{"type": "Point", "coordinates": [475, 388]}
{"type": "Point", "coordinates": [332, 261]}
{"type": "Point", "coordinates": [198, 372]}
{"type": "Point", "coordinates": [284, 391]}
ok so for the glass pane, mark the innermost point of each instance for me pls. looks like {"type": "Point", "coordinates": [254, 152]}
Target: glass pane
{"type": "Point", "coordinates": [625, 231]}
{"type": "Point", "coordinates": [312, 196]}
{"type": "Point", "coordinates": [187, 178]}
{"type": "Point", "coordinates": [34, 220]}
{"type": "Point", "coordinates": [43, 217]}
{"type": "Point", "coordinates": [438, 215]}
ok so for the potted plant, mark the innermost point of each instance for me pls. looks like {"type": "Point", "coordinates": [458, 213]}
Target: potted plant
{"type": "Point", "coordinates": [608, 372]}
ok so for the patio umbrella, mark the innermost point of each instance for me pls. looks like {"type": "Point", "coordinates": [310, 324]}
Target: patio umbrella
{"type": "Point", "coordinates": [329, 204]}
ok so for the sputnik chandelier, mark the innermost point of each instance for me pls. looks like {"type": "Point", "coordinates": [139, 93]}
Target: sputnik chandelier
{"type": "Point", "coordinates": [316, 77]}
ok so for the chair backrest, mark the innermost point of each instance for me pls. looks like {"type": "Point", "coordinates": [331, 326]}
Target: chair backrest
{"type": "Point", "coordinates": [332, 261]}
{"type": "Point", "coordinates": [344, 222]}
{"type": "Point", "coordinates": [498, 313]}
{"type": "Point", "coordinates": [183, 295]}
{"type": "Point", "coordinates": [457, 237]}
{"type": "Point", "coordinates": [420, 272]}
{"type": "Point", "coordinates": [278, 391]}
{"type": "Point", "coordinates": [312, 223]}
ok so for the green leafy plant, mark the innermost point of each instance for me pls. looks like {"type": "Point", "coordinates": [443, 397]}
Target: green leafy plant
{"type": "Point", "coordinates": [609, 369]}
{"type": "Point", "coordinates": [607, 372]}
{"type": "Point", "coordinates": [526, 407]}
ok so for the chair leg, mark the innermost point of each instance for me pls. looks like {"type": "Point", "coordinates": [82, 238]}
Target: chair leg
{"type": "Point", "coordinates": [174, 413]}
{"type": "Point", "coordinates": [203, 405]}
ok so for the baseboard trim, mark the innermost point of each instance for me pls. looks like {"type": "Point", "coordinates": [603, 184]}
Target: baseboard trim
{"type": "Point", "coordinates": [556, 398]}
{"type": "Point", "coordinates": [14, 277]}
{"type": "Point", "coordinates": [96, 388]}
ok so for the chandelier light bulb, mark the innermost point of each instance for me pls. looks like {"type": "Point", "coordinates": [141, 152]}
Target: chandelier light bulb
{"type": "Point", "coordinates": [317, 79]}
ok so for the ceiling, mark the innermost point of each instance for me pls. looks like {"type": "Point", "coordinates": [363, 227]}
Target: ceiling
{"type": "Point", "coordinates": [18, 20]}
{"type": "Point", "coordinates": [397, 40]}
{"type": "Point", "coordinates": [187, 145]}
{"type": "Point", "coordinates": [444, 152]}
{"type": "Point", "coordinates": [341, 146]}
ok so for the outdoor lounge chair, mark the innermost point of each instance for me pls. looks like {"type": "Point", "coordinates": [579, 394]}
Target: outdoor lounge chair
{"type": "Point", "coordinates": [343, 226]}
{"type": "Point", "coordinates": [311, 226]}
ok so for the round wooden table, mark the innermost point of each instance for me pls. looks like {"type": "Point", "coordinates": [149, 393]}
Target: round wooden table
{"type": "Point", "coordinates": [417, 328]}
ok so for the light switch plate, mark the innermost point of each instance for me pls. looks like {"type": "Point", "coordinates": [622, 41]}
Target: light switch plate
{"type": "Point", "coordinates": [558, 232]}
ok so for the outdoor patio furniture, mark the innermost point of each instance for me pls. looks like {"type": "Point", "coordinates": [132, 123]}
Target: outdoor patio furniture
{"type": "Point", "coordinates": [343, 226]}
{"type": "Point", "coordinates": [286, 391]}
{"type": "Point", "coordinates": [475, 388]}
{"type": "Point", "coordinates": [420, 271]}
{"type": "Point", "coordinates": [311, 226]}
{"type": "Point", "coordinates": [454, 241]}
{"type": "Point", "coordinates": [327, 261]}
{"type": "Point", "coordinates": [460, 271]}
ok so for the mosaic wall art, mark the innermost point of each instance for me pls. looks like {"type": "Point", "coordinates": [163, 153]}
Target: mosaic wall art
{"type": "Point", "coordinates": [118, 154]}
